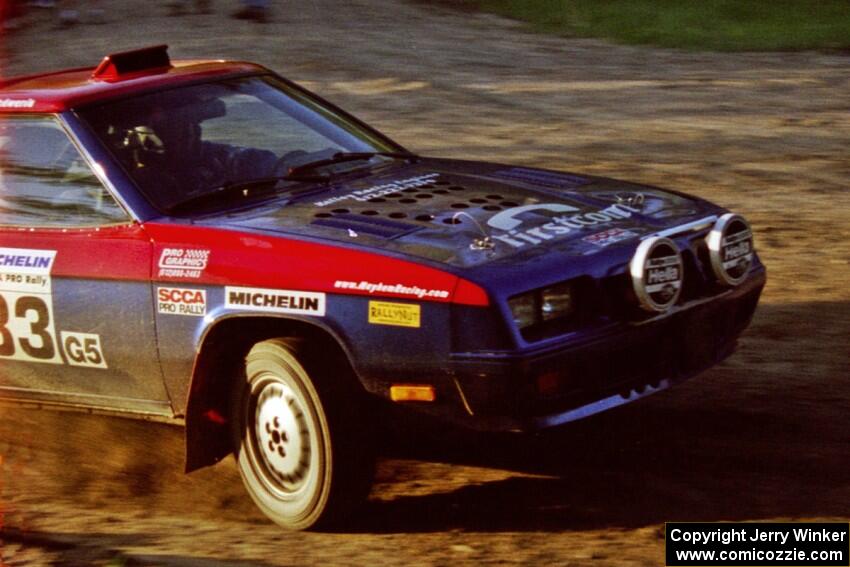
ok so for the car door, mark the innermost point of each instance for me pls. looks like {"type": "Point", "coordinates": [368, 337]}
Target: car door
{"type": "Point", "coordinates": [76, 308]}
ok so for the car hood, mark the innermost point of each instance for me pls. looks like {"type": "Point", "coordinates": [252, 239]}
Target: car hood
{"type": "Point", "coordinates": [467, 214]}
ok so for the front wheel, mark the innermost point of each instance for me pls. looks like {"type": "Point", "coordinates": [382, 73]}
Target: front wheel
{"type": "Point", "coordinates": [303, 459]}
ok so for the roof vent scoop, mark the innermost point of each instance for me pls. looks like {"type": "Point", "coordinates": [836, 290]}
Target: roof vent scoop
{"type": "Point", "coordinates": [117, 66]}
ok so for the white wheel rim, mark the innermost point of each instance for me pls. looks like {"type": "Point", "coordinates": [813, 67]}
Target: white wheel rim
{"type": "Point", "coordinates": [282, 436]}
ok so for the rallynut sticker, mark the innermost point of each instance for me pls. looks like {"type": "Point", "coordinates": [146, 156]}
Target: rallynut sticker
{"type": "Point", "coordinates": [181, 301]}
{"type": "Point", "coordinates": [275, 300]}
{"type": "Point", "coordinates": [394, 314]}
{"type": "Point", "coordinates": [27, 324]}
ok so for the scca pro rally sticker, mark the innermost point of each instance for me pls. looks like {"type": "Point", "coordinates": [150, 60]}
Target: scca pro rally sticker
{"type": "Point", "coordinates": [395, 314]}
{"type": "Point", "coordinates": [27, 327]}
{"type": "Point", "coordinates": [275, 300]}
{"type": "Point", "coordinates": [608, 237]}
{"type": "Point", "coordinates": [183, 262]}
{"type": "Point", "coordinates": [180, 301]}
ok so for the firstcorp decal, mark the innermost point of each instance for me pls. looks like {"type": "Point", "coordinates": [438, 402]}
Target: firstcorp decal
{"type": "Point", "coordinates": [569, 218]}
{"type": "Point", "coordinates": [275, 300]}
{"type": "Point", "coordinates": [381, 190]}
{"type": "Point", "coordinates": [27, 325]}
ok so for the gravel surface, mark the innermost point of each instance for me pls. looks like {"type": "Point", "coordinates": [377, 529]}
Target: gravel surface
{"type": "Point", "coordinates": [762, 437]}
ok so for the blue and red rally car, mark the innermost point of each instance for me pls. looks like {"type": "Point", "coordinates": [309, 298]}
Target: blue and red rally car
{"type": "Point", "coordinates": [208, 242]}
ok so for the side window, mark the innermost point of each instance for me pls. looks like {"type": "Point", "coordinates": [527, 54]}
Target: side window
{"type": "Point", "coordinates": [45, 182]}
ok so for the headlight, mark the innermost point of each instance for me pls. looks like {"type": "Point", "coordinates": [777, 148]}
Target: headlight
{"type": "Point", "coordinates": [542, 305]}
{"type": "Point", "coordinates": [524, 309]}
{"type": "Point", "coordinates": [556, 302]}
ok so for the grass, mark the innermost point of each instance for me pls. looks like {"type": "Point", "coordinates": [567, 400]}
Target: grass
{"type": "Point", "coordinates": [720, 25]}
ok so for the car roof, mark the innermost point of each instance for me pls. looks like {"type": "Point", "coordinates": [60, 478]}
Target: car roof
{"type": "Point", "coordinates": [118, 75]}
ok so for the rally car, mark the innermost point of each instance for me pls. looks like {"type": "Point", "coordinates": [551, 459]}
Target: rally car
{"type": "Point", "coordinates": [208, 242]}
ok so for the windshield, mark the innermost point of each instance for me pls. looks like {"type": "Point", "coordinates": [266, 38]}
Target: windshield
{"type": "Point", "coordinates": [182, 143]}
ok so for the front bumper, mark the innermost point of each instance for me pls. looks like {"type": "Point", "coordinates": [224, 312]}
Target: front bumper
{"type": "Point", "coordinates": [592, 372]}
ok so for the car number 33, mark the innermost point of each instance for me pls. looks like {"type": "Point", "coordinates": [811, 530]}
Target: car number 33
{"type": "Point", "coordinates": [27, 333]}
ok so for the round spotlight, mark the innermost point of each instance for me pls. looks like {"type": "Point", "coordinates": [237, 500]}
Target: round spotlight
{"type": "Point", "coordinates": [657, 273]}
{"type": "Point", "coordinates": [730, 247]}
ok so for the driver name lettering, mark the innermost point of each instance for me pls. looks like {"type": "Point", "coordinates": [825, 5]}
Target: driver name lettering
{"type": "Point", "coordinates": [364, 195]}
{"type": "Point", "coordinates": [17, 102]}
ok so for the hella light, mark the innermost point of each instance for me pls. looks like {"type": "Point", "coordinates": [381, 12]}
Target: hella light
{"type": "Point", "coordinates": [524, 309]}
{"type": "Point", "coordinates": [556, 302]}
{"type": "Point", "coordinates": [657, 274]}
{"type": "Point", "coordinates": [730, 246]}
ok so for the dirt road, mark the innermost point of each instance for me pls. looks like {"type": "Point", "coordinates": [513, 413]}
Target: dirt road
{"type": "Point", "coordinates": [764, 436]}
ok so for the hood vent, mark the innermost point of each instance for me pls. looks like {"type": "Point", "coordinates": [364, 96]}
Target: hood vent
{"type": "Point", "coordinates": [541, 178]}
{"type": "Point", "coordinates": [395, 214]}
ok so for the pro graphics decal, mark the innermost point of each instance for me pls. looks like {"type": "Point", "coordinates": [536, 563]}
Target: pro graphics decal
{"type": "Point", "coordinates": [183, 263]}
{"type": "Point", "coordinates": [275, 300]}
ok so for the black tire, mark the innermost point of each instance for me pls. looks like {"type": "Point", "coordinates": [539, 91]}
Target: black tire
{"type": "Point", "coordinates": [301, 445]}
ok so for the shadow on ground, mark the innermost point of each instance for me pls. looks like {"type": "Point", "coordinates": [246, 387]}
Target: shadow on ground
{"type": "Point", "coordinates": [738, 443]}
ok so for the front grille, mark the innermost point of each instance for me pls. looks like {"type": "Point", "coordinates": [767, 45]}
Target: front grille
{"type": "Point", "coordinates": [673, 348]}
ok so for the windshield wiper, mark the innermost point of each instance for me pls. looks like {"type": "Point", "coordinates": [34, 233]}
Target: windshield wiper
{"type": "Point", "coordinates": [342, 157]}
{"type": "Point", "coordinates": [241, 189]}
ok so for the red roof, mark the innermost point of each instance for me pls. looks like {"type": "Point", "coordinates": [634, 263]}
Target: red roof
{"type": "Point", "coordinates": [61, 90]}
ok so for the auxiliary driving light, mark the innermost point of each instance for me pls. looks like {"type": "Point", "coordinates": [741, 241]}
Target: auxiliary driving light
{"type": "Point", "coordinates": [657, 272]}
{"type": "Point", "coordinates": [730, 247]}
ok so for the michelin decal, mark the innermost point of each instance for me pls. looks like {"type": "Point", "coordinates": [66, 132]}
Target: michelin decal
{"type": "Point", "coordinates": [275, 300]}
{"type": "Point", "coordinates": [27, 325]}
